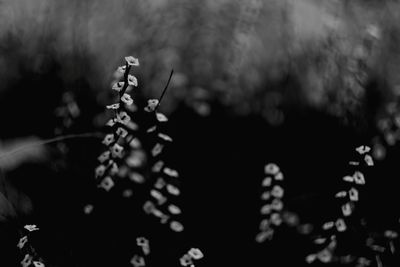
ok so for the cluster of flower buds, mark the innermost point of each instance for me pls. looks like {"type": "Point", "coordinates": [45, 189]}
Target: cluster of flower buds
{"type": "Point", "coordinates": [272, 197]}
{"type": "Point", "coordinates": [124, 156]}
{"type": "Point", "coordinates": [30, 257]}
{"type": "Point", "coordinates": [348, 197]}
{"type": "Point", "coordinates": [165, 190]}
{"type": "Point", "coordinates": [138, 260]}
{"type": "Point", "coordinates": [192, 255]}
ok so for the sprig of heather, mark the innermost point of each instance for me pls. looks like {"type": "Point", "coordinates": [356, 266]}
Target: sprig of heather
{"type": "Point", "coordinates": [29, 255]}
{"type": "Point", "coordinates": [165, 190]}
{"type": "Point", "coordinates": [272, 196]}
{"type": "Point", "coordinates": [188, 259]}
{"type": "Point", "coordinates": [348, 197]}
{"type": "Point", "coordinates": [123, 150]}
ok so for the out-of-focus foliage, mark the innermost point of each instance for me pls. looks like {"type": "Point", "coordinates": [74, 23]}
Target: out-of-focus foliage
{"type": "Point", "coordinates": [255, 56]}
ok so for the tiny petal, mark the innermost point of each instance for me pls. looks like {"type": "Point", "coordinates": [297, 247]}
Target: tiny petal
{"type": "Point", "coordinates": [118, 86]}
{"type": "Point", "coordinates": [127, 99]}
{"type": "Point", "coordinates": [173, 209]}
{"type": "Point", "coordinates": [161, 117]}
{"type": "Point", "coordinates": [108, 139]}
{"type": "Point", "coordinates": [359, 177]}
{"type": "Point", "coordinates": [27, 260]}
{"type": "Point", "coordinates": [22, 242]}
{"type": "Point", "coordinates": [132, 80]}
{"type": "Point", "coordinates": [186, 260]}
{"type": "Point", "coordinates": [171, 172]}
{"type": "Point", "coordinates": [160, 184]}
{"type": "Point", "coordinates": [151, 129]}
{"type": "Point", "coordinates": [100, 170]}
{"type": "Point", "coordinates": [328, 225]}
{"type": "Point", "coordinates": [353, 194]}
{"type": "Point", "coordinates": [264, 235]}
{"type": "Point", "coordinates": [267, 181]}
{"type": "Point", "coordinates": [104, 156]}
{"type": "Point", "coordinates": [195, 253]}
{"type": "Point", "coordinates": [165, 137]}
{"type": "Point", "coordinates": [363, 149]}
{"type": "Point", "coordinates": [38, 264]}
{"type": "Point", "coordinates": [173, 190]}
{"type": "Point", "coordinates": [122, 132]}
{"type": "Point", "coordinates": [88, 209]}
{"type": "Point", "coordinates": [107, 183]}
{"type": "Point", "coordinates": [123, 118]}
{"type": "Point", "coordinates": [138, 261]}
{"type": "Point", "coordinates": [368, 160]}
{"type": "Point", "coordinates": [117, 151]}
{"type": "Point", "coordinates": [277, 191]}
{"type": "Point", "coordinates": [157, 166]}
{"type": "Point", "coordinates": [157, 149]}
{"type": "Point", "coordinates": [113, 106]}
{"type": "Point", "coordinates": [151, 105]}
{"type": "Point", "coordinates": [346, 209]}
{"type": "Point", "coordinates": [341, 194]}
{"type": "Point", "coordinates": [271, 168]}
{"type": "Point", "coordinates": [161, 199]}
{"type": "Point", "coordinates": [132, 61]}
{"type": "Point", "coordinates": [31, 228]}
{"type": "Point", "coordinates": [176, 226]}
{"type": "Point", "coordinates": [340, 225]}
{"type": "Point", "coordinates": [136, 177]}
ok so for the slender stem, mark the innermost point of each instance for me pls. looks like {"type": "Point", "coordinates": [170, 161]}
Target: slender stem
{"type": "Point", "coordinates": [165, 89]}
{"type": "Point", "coordinates": [53, 140]}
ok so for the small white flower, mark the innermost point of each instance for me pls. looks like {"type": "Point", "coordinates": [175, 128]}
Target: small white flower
{"type": "Point", "coordinates": [348, 178]}
{"type": "Point", "coordinates": [161, 117]}
{"type": "Point", "coordinates": [88, 209]}
{"type": "Point", "coordinates": [117, 151]}
{"type": "Point", "coordinates": [134, 143]}
{"type": "Point", "coordinates": [363, 149]}
{"type": "Point", "coordinates": [132, 126]}
{"type": "Point", "coordinates": [160, 183]}
{"type": "Point", "coordinates": [104, 156]}
{"type": "Point", "coordinates": [136, 159]}
{"type": "Point", "coordinates": [264, 225]}
{"type": "Point", "coordinates": [341, 194]}
{"type": "Point", "coordinates": [176, 226]}
{"type": "Point", "coordinates": [151, 105]}
{"type": "Point", "coordinates": [148, 207]}
{"type": "Point", "coordinates": [158, 196]}
{"type": "Point", "coordinates": [277, 191]}
{"type": "Point", "coordinates": [271, 168]}
{"type": "Point", "coordinates": [127, 99]}
{"type": "Point", "coordinates": [279, 176]}
{"type": "Point", "coordinates": [353, 194]}
{"type": "Point", "coordinates": [266, 195]}
{"type": "Point", "coordinates": [186, 260]}
{"type": "Point", "coordinates": [136, 177]}
{"type": "Point", "coordinates": [157, 149]}
{"type": "Point", "coordinates": [138, 261]}
{"type": "Point", "coordinates": [22, 242]}
{"type": "Point", "coordinates": [127, 193]}
{"type": "Point", "coordinates": [110, 123]}
{"type": "Point", "coordinates": [121, 69]}
{"type": "Point", "coordinates": [325, 256]}
{"type": "Point", "coordinates": [108, 139]}
{"type": "Point", "coordinates": [276, 219]}
{"type": "Point", "coordinates": [266, 209]}
{"type": "Point", "coordinates": [328, 225]}
{"type": "Point", "coordinates": [359, 177]}
{"type": "Point", "coordinates": [267, 181]}
{"type": "Point", "coordinates": [113, 106]}
{"type": "Point", "coordinates": [277, 205]}
{"type": "Point", "coordinates": [100, 170]}
{"type": "Point", "coordinates": [165, 137]}
{"type": "Point", "coordinates": [157, 166]}
{"type": "Point", "coordinates": [144, 244]}
{"type": "Point", "coordinates": [346, 209]}
{"type": "Point", "coordinates": [132, 80]}
{"type": "Point", "coordinates": [27, 260]}
{"type": "Point", "coordinates": [132, 61]}
{"type": "Point", "coordinates": [107, 183]}
{"type": "Point", "coordinates": [368, 160]}
{"type": "Point", "coordinates": [340, 225]}
{"type": "Point", "coordinates": [122, 132]}
{"type": "Point", "coordinates": [38, 264]}
{"type": "Point", "coordinates": [170, 172]}
{"type": "Point", "coordinates": [151, 129]}
{"type": "Point", "coordinates": [264, 235]}
{"type": "Point", "coordinates": [173, 209]}
{"type": "Point", "coordinates": [195, 253]}
{"type": "Point", "coordinates": [118, 86]}
{"type": "Point", "coordinates": [173, 190]}
{"type": "Point", "coordinates": [123, 118]}
{"type": "Point", "coordinates": [31, 228]}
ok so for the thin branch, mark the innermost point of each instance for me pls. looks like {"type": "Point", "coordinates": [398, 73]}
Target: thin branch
{"type": "Point", "coordinates": [165, 89]}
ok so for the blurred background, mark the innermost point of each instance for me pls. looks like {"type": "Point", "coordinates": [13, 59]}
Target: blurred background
{"type": "Point", "coordinates": [297, 82]}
